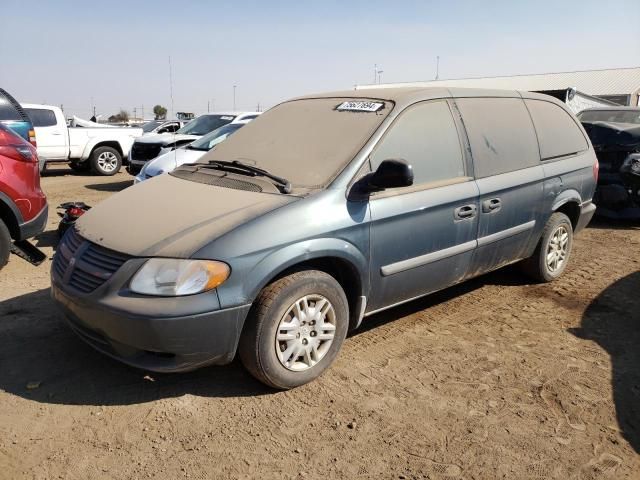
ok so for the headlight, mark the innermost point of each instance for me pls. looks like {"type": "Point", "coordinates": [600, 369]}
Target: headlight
{"type": "Point", "coordinates": [170, 277]}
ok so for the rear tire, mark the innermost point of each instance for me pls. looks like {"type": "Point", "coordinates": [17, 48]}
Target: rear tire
{"type": "Point", "coordinates": [306, 314]}
{"type": "Point", "coordinates": [5, 244]}
{"type": "Point", "coordinates": [105, 161]}
{"type": "Point", "coordinates": [552, 254]}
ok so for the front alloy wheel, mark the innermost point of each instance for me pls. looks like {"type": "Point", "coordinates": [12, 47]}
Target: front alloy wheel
{"type": "Point", "coordinates": [295, 329]}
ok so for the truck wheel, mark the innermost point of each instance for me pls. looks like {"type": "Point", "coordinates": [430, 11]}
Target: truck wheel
{"type": "Point", "coordinates": [5, 244]}
{"type": "Point", "coordinates": [105, 161]}
{"type": "Point", "coordinates": [80, 167]}
{"type": "Point", "coordinates": [551, 256]}
{"type": "Point", "coordinates": [295, 329]}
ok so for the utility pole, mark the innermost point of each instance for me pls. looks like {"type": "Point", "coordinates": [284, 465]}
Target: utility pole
{"type": "Point", "coordinates": [208, 106]}
{"type": "Point", "coordinates": [171, 86]}
{"type": "Point", "coordinates": [234, 98]}
{"type": "Point", "coordinates": [142, 115]}
{"type": "Point", "coordinates": [375, 73]}
{"type": "Point", "coordinates": [134, 112]}
{"type": "Point", "coordinates": [437, 67]}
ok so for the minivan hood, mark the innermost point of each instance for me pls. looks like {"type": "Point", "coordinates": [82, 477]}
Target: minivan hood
{"type": "Point", "coordinates": [165, 138]}
{"type": "Point", "coordinates": [170, 217]}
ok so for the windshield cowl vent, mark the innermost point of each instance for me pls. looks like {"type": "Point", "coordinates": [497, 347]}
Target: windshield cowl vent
{"type": "Point", "coordinates": [214, 178]}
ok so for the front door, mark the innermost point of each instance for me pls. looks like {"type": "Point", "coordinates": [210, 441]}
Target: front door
{"type": "Point", "coordinates": [422, 237]}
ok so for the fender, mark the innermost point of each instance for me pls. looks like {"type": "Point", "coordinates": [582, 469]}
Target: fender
{"type": "Point", "coordinates": [247, 288]}
{"type": "Point", "coordinates": [6, 201]}
{"type": "Point", "coordinates": [92, 144]}
{"type": "Point", "coordinates": [564, 197]}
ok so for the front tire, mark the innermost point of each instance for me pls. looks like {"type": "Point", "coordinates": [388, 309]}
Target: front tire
{"type": "Point", "coordinates": [552, 254]}
{"type": "Point", "coordinates": [295, 329]}
{"type": "Point", "coordinates": [105, 161]}
{"type": "Point", "coordinates": [5, 244]}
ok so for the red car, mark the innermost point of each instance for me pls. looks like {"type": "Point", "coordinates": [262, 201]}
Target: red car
{"type": "Point", "coordinates": [23, 205]}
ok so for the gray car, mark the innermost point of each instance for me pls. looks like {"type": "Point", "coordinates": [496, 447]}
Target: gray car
{"type": "Point", "coordinates": [323, 211]}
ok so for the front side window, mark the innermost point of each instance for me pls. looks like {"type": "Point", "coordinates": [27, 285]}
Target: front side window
{"type": "Point", "coordinates": [41, 117]}
{"type": "Point", "coordinates": [426, 137]}
{"type": "Point", "coordinates": [501, 135]}
{"type": "Point", "coordinates": [558, 133]}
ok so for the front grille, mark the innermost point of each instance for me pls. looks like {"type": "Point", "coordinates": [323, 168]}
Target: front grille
{"type": "Point", "coordinates": [92, 266]}
{"type": "Point", "coordinates": [145, 151]}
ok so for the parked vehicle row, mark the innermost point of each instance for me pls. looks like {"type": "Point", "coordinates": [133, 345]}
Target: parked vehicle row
{"type": "Point", "coordinates": [101, 150]}
{"type": "Point", "coordinates": [325, 210]}
{"type": "Point", "coordinates": [615, 135]}
{"type": "Point", "coordinates": [148, 147]}
{"type": "Point", "coordinates": [169, 161]}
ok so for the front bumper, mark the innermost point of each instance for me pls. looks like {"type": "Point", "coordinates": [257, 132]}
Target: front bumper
{"type": "Point", "coordinates": [152, 342]}
{"type": "Point", "coordinates": [34, 226]}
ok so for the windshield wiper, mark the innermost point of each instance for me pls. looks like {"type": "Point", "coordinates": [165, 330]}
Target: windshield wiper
{"type": "Point", "coordinates": [243, 168]}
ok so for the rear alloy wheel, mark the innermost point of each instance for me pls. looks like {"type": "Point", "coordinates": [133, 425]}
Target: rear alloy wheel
{"type": "Point", "coordinates": [295, 329]}
{"type": "Point", "coordinates": [552, 253]}
{"type": "Point", "coordinates": [105, 161]}
{"type": "Point", "coordinates": [5, 244]}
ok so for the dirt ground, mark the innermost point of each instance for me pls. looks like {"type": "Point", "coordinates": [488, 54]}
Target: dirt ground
{"type": "Point", "coordinates": [495, 378]}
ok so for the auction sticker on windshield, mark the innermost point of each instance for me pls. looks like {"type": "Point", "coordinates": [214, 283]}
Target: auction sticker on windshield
{"type": "Point", "coordinates": [354, 106]}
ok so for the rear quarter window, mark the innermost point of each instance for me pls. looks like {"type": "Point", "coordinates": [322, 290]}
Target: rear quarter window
{"type": "Point", "coordinates": [501, 135]}
{"type": "Point", "coordinates": [41, 117]}
{"type": "Point", "coordinates": [8, 111]}
{"type": "Point", "coordinates": [558, 133]}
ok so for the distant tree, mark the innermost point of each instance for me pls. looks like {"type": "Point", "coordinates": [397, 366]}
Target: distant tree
{"type": "Point", "coordinates": [160, 112]}
{"type": "Point", "coordinates": [123, 116]}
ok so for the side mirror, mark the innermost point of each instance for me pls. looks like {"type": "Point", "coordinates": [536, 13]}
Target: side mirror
{"type": "Point", "coordinates": [391, 173]}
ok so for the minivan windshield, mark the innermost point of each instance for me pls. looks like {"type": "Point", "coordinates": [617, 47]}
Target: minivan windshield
{"type": "Point", "coordinates": [614, 116]}
{"type": "Point", "coordinates": [211, 139]}
{"type": "Point", "coordinates": [205, 124]}
{"type": "Point", "coordinates": [307, 141]}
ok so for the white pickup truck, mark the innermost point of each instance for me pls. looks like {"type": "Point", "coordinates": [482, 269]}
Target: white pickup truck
{"type": "Point", "coordinates": [99, 149]}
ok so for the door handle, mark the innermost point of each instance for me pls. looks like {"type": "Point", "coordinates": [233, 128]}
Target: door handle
{"type": "Point", "coordinates": [464, 212]}
{"type": "Point", "coordinates": [492, 205]}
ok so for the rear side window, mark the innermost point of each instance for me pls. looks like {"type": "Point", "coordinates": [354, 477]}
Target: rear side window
{"type": "Point", "coordinates": [41, 118]}
{"type": "Point", "coordinates": [500, 133]}
{"type": "Point", "coordinates": [425, 136]}
{"type": "Point", "coordinates": [558, 133]}
{"type": "Point", "coordinates": [7, 110]}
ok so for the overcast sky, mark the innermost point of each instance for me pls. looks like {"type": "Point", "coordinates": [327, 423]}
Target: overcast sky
{"type": "Point", "coordinates": [117, 52]}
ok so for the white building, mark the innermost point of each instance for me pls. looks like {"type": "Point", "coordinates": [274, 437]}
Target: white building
{"type": "Point", "coordinates": [619, 85]}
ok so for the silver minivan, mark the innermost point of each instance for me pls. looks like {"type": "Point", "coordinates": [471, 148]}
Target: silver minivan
{"type": "Point", "coordinates": [325, 210]}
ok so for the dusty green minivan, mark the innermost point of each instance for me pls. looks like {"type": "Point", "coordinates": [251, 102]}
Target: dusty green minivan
{"type": "Point", "coordinates": [324, 210]}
